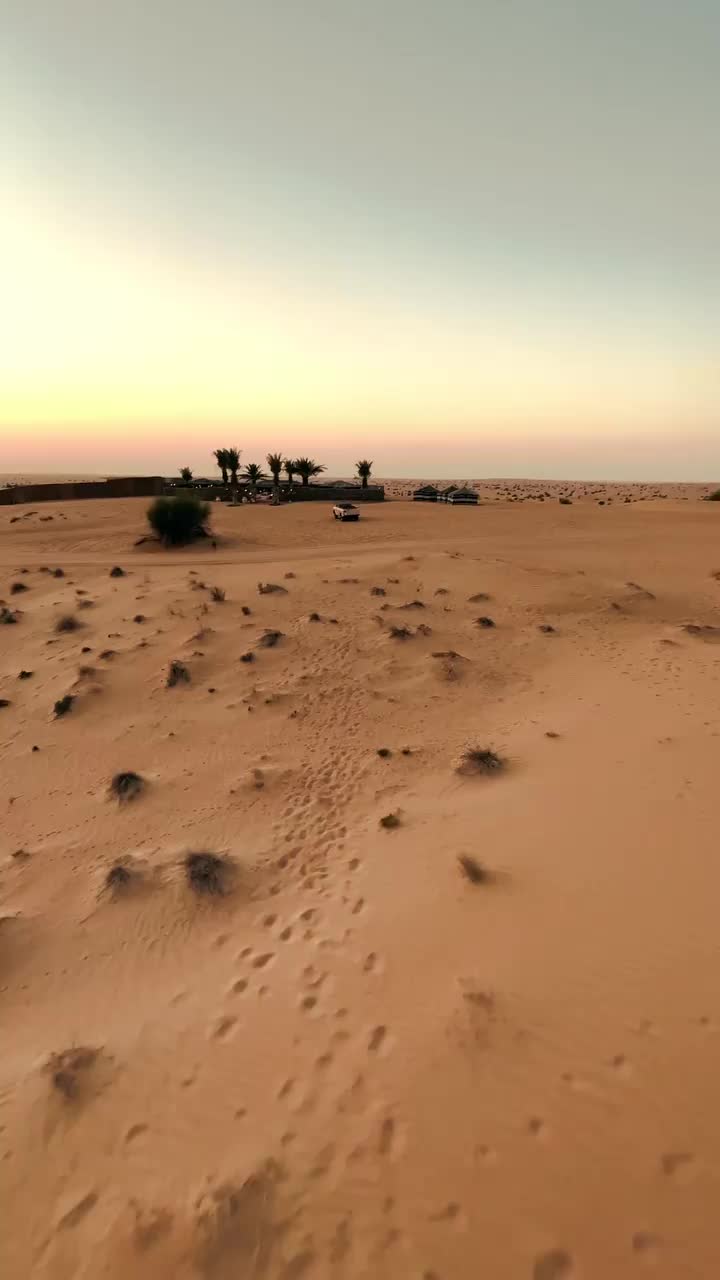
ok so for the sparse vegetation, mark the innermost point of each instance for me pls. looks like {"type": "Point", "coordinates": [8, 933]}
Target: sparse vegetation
{"type": "Point", "coordinates": [63, 705]}
{"type": "Point", "coordinates": [384, 753]}
{"type": "Point", "coordinates": [247, 657]}
{"type": "Point", "coordinates": [177, 674]}
{"type": "Point", "coordinates": [186, 475]}
{"type": "Point", "coordinates": [24, 675]}
{"type": "Point", "coordinates": [127, 786]}
{"type": "Point", "coordinates": [390, 822]}
{"type": "Point", "coordinates": [66, 1068]}
{"type": "Point", "coordinates": [207, 873]}
{"type": "Point", "coordinates": [364, 470]}
{"type": "Point", "coordinates": [179, 520]}
{"type": "Point", "coordinates": [118, 878]}
{"type": "Point", "coordinates": [269, 639]}
{"type": "Point", "coordinates": [5, 702]}
{"type": "Point", "coordinates": [484, 621]}
{"type": "Point", "coordinates": [473, 870]}
{"type": "Point", "coordinates": [217, 594]}
{"type": "Point", "coordinates": [546, 629]}
{"type": "Point", "coordinates": [271, 588]}
{"type": "Point", "coordinates": [7, 617]}
{"type": "Point", "coordinates": [68, 622]}
{"type": "Point", "coordinates": [117, 572]}
{"type": "Point", "coordinates": [480, 761]}
{"type": "Point", "coordinates": [400, 633]}
{"type": "Point", "coordinates": [17, 588]}
{"type": "Point", "coordinates": [714, 497]}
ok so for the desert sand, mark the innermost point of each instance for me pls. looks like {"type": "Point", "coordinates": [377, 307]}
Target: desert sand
{"type": "Point", "coordinates": [414, 1019]}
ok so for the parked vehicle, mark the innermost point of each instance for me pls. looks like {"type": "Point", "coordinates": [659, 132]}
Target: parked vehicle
{"type": "Point", "coordinates": [345, 511]}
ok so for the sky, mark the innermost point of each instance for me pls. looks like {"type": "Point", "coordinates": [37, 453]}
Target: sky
{"type": "Point", "coordinates": [458, 237]}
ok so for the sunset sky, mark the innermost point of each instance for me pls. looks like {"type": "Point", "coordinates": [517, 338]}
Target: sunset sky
{"type": "Point", "coordinates": [458, 238]}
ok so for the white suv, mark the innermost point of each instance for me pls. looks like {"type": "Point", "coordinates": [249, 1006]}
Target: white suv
{"type": "Point", "coordinates": [345, 511]}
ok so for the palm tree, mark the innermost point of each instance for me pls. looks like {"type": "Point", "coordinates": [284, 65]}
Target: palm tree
{"type": "Point", "coordinates": [220, 456]}
{"type": "Point", "coordinates": [364, 470]}
{"type": "Point", "coordinates": [275, 465]}
{"type": "Point", "coordinates": [307, 467]}
{"type": "Point", "coordinates": [289, 469]}
{"type": "Point", "coordinates": [186, 475]}
{"type": "Point", "coordinates": [253, 473]}
{"type": "Point", "coordinates": [232, 463]}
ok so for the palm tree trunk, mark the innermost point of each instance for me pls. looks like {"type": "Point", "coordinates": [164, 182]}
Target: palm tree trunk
{"type": "Point", "coordinates": [305, 480]}
{"type": "Point", "coordinates": [364, 482]}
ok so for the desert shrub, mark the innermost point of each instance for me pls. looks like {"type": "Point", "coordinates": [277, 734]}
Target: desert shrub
{"type": "Point", "coordinates": [177, 674]}
{"type": "Point", "coordinates": [63, 705]}
{"type": "Point", "coordinates": [206, 873]}
{"type": "Point", "coordinates": [480, 760]}
{"type": "Point", "coordinates": [473, 870]}
{"type": "Point", "coordinates": [68, 622]}
{"type": "Point", "coordinates": [127, 785]}
{"type": "Point", "coordinates": [178, 520]}
{"type": "Point", "coordinates": [714, 497]}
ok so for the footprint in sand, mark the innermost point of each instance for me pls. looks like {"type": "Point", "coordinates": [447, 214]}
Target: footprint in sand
{"type": "Point", "coordinates": [377, 1039]}
{"type": "Point", "coordinates": [646, 1244]}
{"type": "Point", "coordinates": [555, 1265]}
{"type": "Point", "coordinates": [223, 1028]}
{"type": "Point", "coordinates": [678, 1165]}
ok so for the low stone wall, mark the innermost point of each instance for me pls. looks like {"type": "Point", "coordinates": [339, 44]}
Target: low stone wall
{"type": "Point", "coordinates": [122, 487]}
{"type": "Point", "coordinates": [339, 493]}
{"type": "Point", "coordinates": [300, 492]}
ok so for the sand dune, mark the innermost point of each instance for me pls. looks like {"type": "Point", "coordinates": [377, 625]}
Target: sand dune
{"type": "Point", "coordinates": [479, 1039]}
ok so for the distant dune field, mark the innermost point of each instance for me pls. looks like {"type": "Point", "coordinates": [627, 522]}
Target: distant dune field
{"type": "Point", "coordinates": [364, 926]}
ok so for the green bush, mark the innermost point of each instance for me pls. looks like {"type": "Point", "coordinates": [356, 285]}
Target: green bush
{"type": "Point", "coordinates": [178, 520]}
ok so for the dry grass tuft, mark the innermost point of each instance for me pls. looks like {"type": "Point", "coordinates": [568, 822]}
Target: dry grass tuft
{"type": "Point", "coordinates": [480, 761]}
{"type": "Point", "coordinates": [473, 870]}
{"type": "Point", "coordinates": [117, 572]}
{"type": "Point", "coordinates": [63, 705]}
{"type": "Point", "coordinates": [484, 621]}
{"type": "Point", "coordinates": [67, 1068]}
{"type": "Point", "coordinates": [127, 786]}
{"type": "Point", "coordinates": [118, 878]}
{"type": "Point", "coordinates": [217, 594]}
{"type": "Point", "coordinates": [68, 622]}
{"type": "Point", "coordinates": [390, 822]}
{"type": "Point", "coordinates": [269, 639]}
{"type": "Point", "coordinates": [400, 633]}
{"type": "Point", "coordinates": [207, 873]}
{"type": "Point", "coordinates": [177, 674]}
